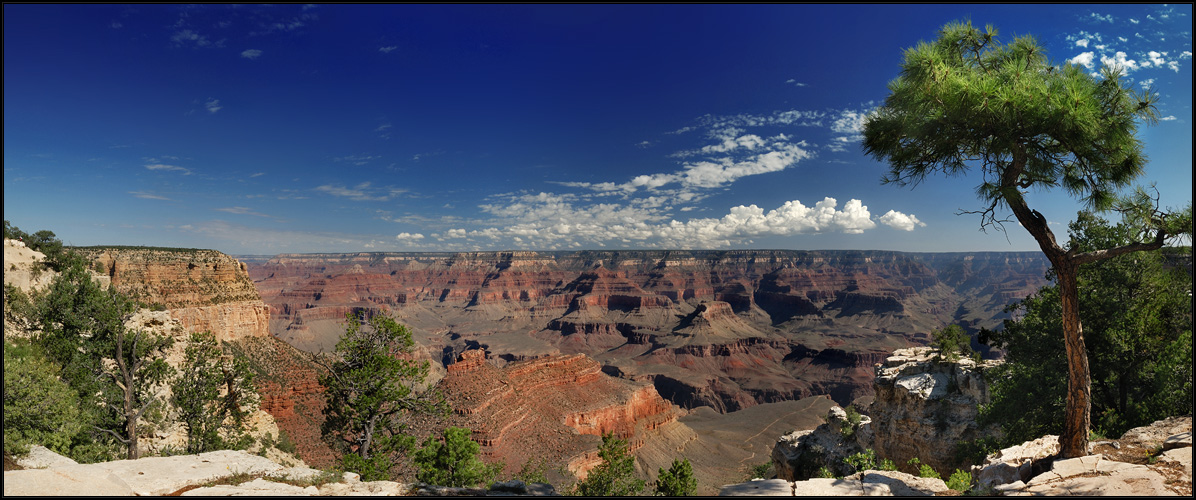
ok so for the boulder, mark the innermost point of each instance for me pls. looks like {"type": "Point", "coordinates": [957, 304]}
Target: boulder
{"type": "Point", "coordinates": [1014, 464]}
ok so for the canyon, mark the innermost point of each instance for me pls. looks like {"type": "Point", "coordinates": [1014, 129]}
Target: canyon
{"type": "Point", "coordinates": [724, 329]}
{"type": "Point", "coordinates": [708, 355]}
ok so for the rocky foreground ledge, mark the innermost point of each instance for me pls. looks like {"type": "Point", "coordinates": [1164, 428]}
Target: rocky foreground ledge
{"type": "Point", "coordinates": [202, 475]}
{"type": "Point", "coordinates": [1026, 470]}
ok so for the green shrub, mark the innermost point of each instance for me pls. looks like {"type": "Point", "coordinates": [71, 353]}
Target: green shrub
{"type": "Point", "coordinates": [615, 476]}
{"type": "Point", "coordinates": [453, 462]}
{"type": "Point", "coordinates": [923, 469]}
{"type": "Point", "coordinates": [38, 407]}
{"type": "Point", "coordinates": [678, 481]}
{"type": "Point", "coordinates": [952, 341]}
{"type": "Point", "coordinates": [960, 481]}
{"type": "Point", "coordinates": [864, 460]}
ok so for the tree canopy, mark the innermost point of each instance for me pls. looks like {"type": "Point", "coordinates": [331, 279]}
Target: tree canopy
{"type": "Point", "coordinates": [370, 387]}
{"type": "Point", "coordinates": [965, 101]}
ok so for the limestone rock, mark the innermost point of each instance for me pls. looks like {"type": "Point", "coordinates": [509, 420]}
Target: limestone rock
{"type": "Point", "coordinates": [867, 483]}
{"type": "Point", "coordinates": [1094, 476]}
{"type": "Point", "coordinates": [1014, 464]}
{"type": "Point", "coordinates": [1157, 433]}
{"type": "Point", "coordinates": [68, 480]}
{"type": "Point", "coordinates": [40, 457]}
{"type": "Point", "coordinates": [924, 406]}
{"type": "Point", "coordinates": [799, 454]}
{"type": "Point", "coordinates": [257, 487]}
{"type": "Point", "coordinates": [763, 487]}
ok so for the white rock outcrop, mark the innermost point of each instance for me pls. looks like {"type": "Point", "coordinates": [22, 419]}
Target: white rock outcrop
{"type": "Point", "coordinates": [925, 406]}
{"type": "Point", "coordinates": [800, 454]}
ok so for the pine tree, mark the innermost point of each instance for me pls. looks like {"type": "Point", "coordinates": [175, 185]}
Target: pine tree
{"type": "Point", "coordinates": [964, 101]}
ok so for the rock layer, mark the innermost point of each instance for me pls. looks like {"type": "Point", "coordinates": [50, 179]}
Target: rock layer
{"type": "Point", "coordinates": [554, 407]}
{"type": "Point", "coordinates": [726, 329]}
{"type": "Point", "coordinates": [206, 290]}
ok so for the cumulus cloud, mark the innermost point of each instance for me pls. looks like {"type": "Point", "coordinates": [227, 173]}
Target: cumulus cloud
{"type": "Point", "coordinates": [898, 220]}
{"type": "Point", "coordinates": [1084, 59]}
{"type": "Point", "coordinates": [1082, 43]}
{"type": "Point", "coordinates": [1119, 60]}
{"type": "Point", "coordinates": [408, 237]}
{"type": "Point", "coordinates": [251, 54]}
{"type": "Point", "coordinates": [213, 105]}
{"type": "Point", "coordinates": [168, 168]}
{"type": "Point", "coordinates": [388, 49]}
{"type": "Point", "coordinates": [553, 221]}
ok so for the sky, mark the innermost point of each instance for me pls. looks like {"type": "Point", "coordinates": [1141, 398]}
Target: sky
{"type": "Point", "coordinates": [257, 130]}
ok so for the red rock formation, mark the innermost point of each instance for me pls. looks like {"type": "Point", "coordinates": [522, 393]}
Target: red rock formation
{"type": "Point", "coordinates": [628, 309]}
{"type": "Point", "coordinates": [288, 383]}
{"type": "Point", "coordinates": [554, 407]}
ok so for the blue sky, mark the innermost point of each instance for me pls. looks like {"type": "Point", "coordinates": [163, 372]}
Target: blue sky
{"type": "Point", "coordinates": [329, 128]}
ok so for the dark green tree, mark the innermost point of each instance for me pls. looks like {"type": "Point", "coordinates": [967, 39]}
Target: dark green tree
{"type": "Point", "coordinates": [615, 476]}
{"type": "Point", "coordinates": [212, 393]}
{"type": "Point", "coordinates": [82, 329]}
{"type": "Point", "coordinates": [678, 481]}
{"type": "Point", "coordinates": [453, 460]}
{"type": "Point", "coordinates": [1138, 318]}
{"type": "Point", "coordinates": [370, 388]}
{"type": "Point", "coordinates": [965, 101]}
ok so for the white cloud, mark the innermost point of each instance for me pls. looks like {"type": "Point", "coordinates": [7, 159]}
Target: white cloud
{"type": "Point", "coordinates": [1084, 59]}
{"type": "Point", "coordinates": [1099, 18]}
{"type": "Point", "coordinates": [1119, 60]}
{"type": "Point", "coordinates": [548, 220]}
{"type": "Point", "coordinates": [898, 220]}
{"type": "Point", "coordinates": [149, 196]}
{"type": "Point", "coordinates": [1167, 118]}
{"type": "Point", "coordinates": [388, 49]}
{"type": "Point", "coordinates": [849, 122]}
{"type": "Point", "coordinates": [213, 105]}
{"type": "Point", "coordinates": [242, 211]}
{"type": "Point", "coordinates": [251, 54]}
{"type": "Point", "coordinates": [360, 192]}
{"type": "Point", "coordinates": [1082, 43]}
{"type": "Point", "coordinates": [409, 237]}
{"type": "Point", "coordinates": [188, 36]}
{"type": "Point", "coordinates": [169, 168]}
{"type": "Point", "coordinates": [1134, 21]}
{"type": "Point", "coordinates": [259, 174]}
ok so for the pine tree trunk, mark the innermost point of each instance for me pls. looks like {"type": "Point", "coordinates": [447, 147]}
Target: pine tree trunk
{"type": "Point", "coordinates": [1077, 416]}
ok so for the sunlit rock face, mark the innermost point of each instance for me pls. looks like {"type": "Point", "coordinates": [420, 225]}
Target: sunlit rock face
{"type": "Point", "coordinates": [725, 329]}
{"type": "Point", "coordinates": [204, 289]}
{"type": "Point", "coordinates": [925, 406]}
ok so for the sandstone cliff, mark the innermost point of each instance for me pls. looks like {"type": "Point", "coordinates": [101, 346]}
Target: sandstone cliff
{"type": "Point", "coordinates": [203, 289]}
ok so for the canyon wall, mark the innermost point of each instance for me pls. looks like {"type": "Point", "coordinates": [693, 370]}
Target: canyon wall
{"type": "Point", "coordinates": [204, 289]}
{"type": "Point", "coordinates": [725, 329]}
{"type": "Point", "coordinates": [554, 407]}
